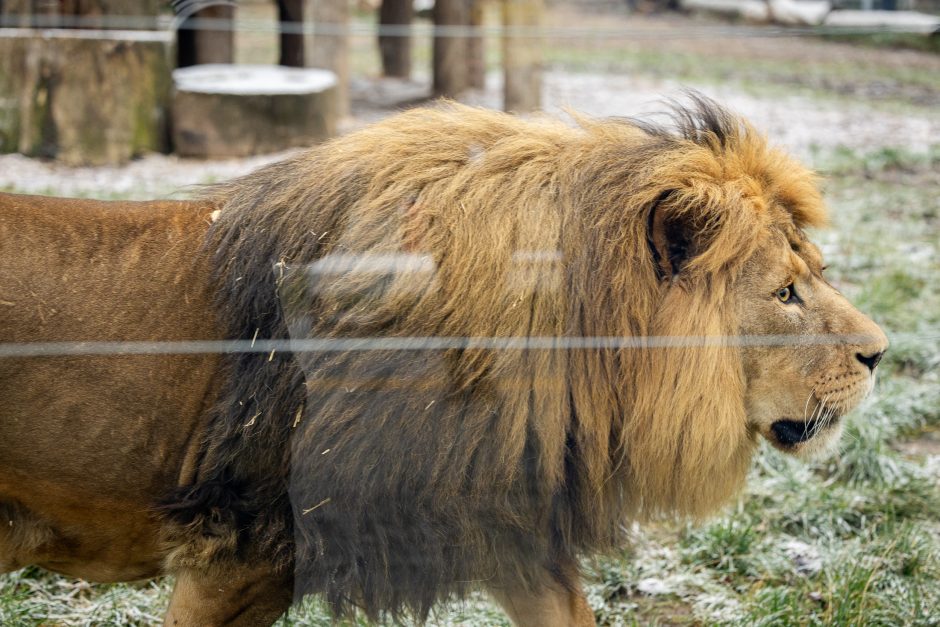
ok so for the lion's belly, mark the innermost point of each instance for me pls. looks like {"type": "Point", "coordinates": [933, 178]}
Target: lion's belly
{"type": "Point", "coordinates": [81, 535]}
{"type": "Point", "coordinates": [85, 455]}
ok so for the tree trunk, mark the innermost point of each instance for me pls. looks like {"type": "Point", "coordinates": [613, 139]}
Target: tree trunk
{"type": "Point", "coordinates": [47, 13]}
{"type": "Point", "coordinates": [216, 44]}
{"type": "Point", "coordinates": [476, 51]}
{"type": "Point", "coordinates": [48, 110]}
{"type": "Point", "coordinates": [113, 14]}
{"type": "Point", "coordinates": [17, 13]}
{"type": "Point", "coordinates": [329, 47]}
{"type": "Point", "coordinates": [450, 53]}
{"type": "Point", "coordinates": [291, 13]}
{"type": "Point", "coordinates": [522, 60]}
{"type": "Point", "coordinates": [395, 49]}
{"type": "Point", "coordinates": [237, 111]}
{"type": "Point", "coordinates": [95, 14]}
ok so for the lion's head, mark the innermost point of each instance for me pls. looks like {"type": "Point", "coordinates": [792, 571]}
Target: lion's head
{"type": "Point", "coordinates": [761, 344]}
{"type": "Point", "coordinates": [818, 361]}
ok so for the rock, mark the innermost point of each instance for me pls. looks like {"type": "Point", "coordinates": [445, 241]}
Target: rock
{"type": "Point", "coordinates": [224, 110]}
{"type": "Point", "coordinates": [802, 13]}
{"type": "Point", "coordinates": [750, 10]}
{"type": "Point", "coordinates": [902, 21]}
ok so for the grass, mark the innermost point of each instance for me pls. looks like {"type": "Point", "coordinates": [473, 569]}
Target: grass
{"type": "Point", "coordinates": [853, 540]}
{"type": "Point", "coordinates": [33, 597]}
{"type": "Point", "coordinates": [891, 40]}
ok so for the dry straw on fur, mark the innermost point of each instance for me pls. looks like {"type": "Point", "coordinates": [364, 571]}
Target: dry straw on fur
{"type": "Point", "coordinates": [484, 466]}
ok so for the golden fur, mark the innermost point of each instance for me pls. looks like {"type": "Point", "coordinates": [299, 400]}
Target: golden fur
{"type": "Point", "coordinates": [394, 477]}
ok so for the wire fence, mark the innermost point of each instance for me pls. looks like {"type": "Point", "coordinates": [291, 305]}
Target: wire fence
{"type": "Point", "coordinates": [363, 344]}
{"type": "Point", "coordinates": [101, 24]}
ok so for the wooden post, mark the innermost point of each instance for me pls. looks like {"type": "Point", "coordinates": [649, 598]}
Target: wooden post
{"type": "Point", "coordinates": [196, 46]}
{"type": "Point", "coordinates": [450, 53]}
{"type": "Point", "coordinates": [46, 14]}
{"type": "Point", "coordinates": [17, 13]}
{"type": "Point", "coordinates": [96, 14]}
{"type": "Point", "coordinates": [476, 51]}
{"type": "Point", "coordinates": [522, 56]}
{"type": "Point", "coordinates": [47, 110]}
{"type": "Point", "coordinates": [329, 47]}
{"type": "Point", "coordinates": [290, 13]}
{"type": "Point", "coordinates": [395, 49]}
{"type": "Point", "coordinates": [238, 111]}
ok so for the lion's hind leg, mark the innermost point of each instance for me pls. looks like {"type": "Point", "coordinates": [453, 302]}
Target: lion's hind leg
{"type": "Point", "coordinates": [239, 597]}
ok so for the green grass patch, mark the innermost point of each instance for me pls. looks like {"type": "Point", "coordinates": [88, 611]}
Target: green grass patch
{"type": "Point", "coordinates": [891, 41]}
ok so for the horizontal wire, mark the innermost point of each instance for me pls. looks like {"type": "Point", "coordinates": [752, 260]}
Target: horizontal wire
{"type": "Point", "coordinates": [327, 345]}
{"type": "Point", "coordinates": [20, 22]}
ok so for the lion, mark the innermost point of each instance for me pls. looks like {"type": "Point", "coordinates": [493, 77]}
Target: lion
{"type": "Point", "coordinates": [455, 350]}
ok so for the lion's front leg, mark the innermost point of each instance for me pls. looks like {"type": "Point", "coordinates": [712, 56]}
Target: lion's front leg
{"type": "Point", "coordinates": [240, 597]}
{"type": "Point", "coordinates": [559, 602]}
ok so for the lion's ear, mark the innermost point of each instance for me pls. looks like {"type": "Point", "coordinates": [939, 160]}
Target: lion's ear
{"type": "Point", "coordinates": [670, 236]}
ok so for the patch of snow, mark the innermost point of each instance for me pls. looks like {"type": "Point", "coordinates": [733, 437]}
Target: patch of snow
{"type": "Point", "coordinates": [718, 605]}
{"type": "Point", "coordinates": [805, 557]}
{"type": "Point", "coordinates": [250, 80]}
{"type": "Point", "coordinates": [654, 587]}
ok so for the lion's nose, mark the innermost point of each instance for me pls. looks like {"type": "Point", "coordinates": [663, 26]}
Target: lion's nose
{"type": "Point", "coordinates": [870, 360]}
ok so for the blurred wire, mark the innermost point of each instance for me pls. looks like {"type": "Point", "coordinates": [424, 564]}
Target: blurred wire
{"type": "Point", "coordinates": [168, 22]}
{"type": "Point", "coordinates": [191, 347]}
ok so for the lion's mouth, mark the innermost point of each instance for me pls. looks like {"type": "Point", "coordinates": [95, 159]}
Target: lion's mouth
{"type": "Point", "coordinates": [789, 433]}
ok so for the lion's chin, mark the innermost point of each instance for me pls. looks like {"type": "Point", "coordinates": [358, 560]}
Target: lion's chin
{"type": "Point", "coordinates": [807, 439]}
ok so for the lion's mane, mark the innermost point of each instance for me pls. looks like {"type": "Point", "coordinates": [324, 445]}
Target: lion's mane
{"type": "Point", "coordinates": [417, 474]}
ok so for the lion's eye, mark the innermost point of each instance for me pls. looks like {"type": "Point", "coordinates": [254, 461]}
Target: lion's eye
{"type": "Point", "coordinates": [786, 294]}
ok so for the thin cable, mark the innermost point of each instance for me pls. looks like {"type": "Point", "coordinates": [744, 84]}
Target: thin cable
{"type": "Point", "coordinates": [191, 347]}
{"type": "Point", "coordinates": [21, 22]}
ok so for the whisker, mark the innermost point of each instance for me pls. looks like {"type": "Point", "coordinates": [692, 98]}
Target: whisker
{"type": "Point", "coordinates": [808, 421]}
{"type": "Point", "coordinates": [821, 413]}
{"type": "Point", "coordinates": [806, 404]}
{"type": "Point", "coordinates": [827, 412]}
